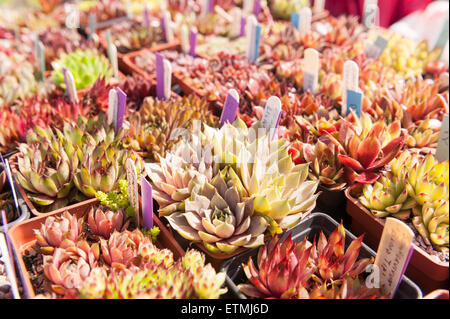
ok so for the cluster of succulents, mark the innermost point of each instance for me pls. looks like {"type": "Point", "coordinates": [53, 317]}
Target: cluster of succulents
{"type": "Point", "coordinates": [55, 166]}
{"type": "Point", "coordinates": [86, 67]}
{"type": "Point", "coordinates": [305, 270]}
{"type": "Point", "coordinates": [102, 9]}
{"type": "Point", "coordinates": [132, 35]}
{"type": "Point", "coordinates": [98, 256]}
{"type": "Point", "coordinates": [282, 9]}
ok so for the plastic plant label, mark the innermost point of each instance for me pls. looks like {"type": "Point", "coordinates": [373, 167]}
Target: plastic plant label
{"type": "Point", "coordinates": [251, 28]}
{"type": "Point", "coordinates": [257, 42]}
{"type": "Point", "coordinates": [370, 13]}
{"type": "Point", "coordinates": [394, 251]}
{"type": "Point", "coordinates": [112, 107]}
{"type": "Point", "coordinates": [166, 25]}
{"type": "Point", "coordinates": [305, 21]}
{"type": "Point", "coordinates": [354, 101]}
{"type": "Point", "coordinates": [311, 75]}
{"type": "Point", "coordinates": [92, 24]}
{"type": "Point", "coordinates": [319, 6]}
{"type": "Point", "coordinates": [192, 41]}
{"type": "Point", "coordinates": [112, 51]}
{"type": "Point", "coordinates": [374, 50]}
{"type": "Point", "coordinates": [41, 60]}
{"type": "Point", "coordinates": [159, 76]}
{"type": "Point", "coordinates": [70, 86]}
{"type": "Point", "coordinates": [442, 147]}
{"type": "Point", "coordinates": [230, 107]}
{"type": "Point", "coordinates": [256, 7]}
{"type": "Point", "coordinates": [147, 203]}
{"type": "Point", "coordinates": [295, 18]}
{"type": "Point", "coordinates": [167, 79]}
{"type": "Point", "coordinates": [133, 188]}
{"type": "Point", "coordinates": [11, 180]}
{"type": "Point", "coordinates": [350, 81]}
{"type": "Point", "coordinates": [443, 36]}
{"type": "Point", "coordinates": [184, 39]}
{"type": "Point", "coordinates": [271, 115]}
{"type": "Point", "coordinates": [146, 17]}
{"type": "Point", "coordinates": [121, 102]}
{"type": "Point", "coordinates": [243, 24]}
{"type": "Point", "coordinates": [247, 7]}
{"type": "Point", "coordinates": [236, 21]}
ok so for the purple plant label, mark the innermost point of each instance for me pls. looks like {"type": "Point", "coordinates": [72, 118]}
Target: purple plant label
{"type": "Point", "coordinates": [210, 6]}
{"type": "Point", "coordinates": [394, 252]}
{"type": "Point", "coordinates": [256, 8]}
{"type": "Point", "coordinates": [147, 203]}
{"type": "Point", "coordinates": [243, 22]}
{"type": "Point", "coordinates": [146, 17]}
{"type": "Point", "coordinates": [121, 102]}
{"type": "Point", "coordinates": [160, 76]}
{"type": "Point", "coordinates": [230, 108]}
{"type": "Point", "coordinates": [192, 42]}
{"type": "Point", "coordinates": [354, 101]}
{"type": "Point", "coordinates": [295, 19]}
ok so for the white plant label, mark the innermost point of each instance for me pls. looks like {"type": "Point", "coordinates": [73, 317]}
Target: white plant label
{"type": "Point", "coordinates": [304, 26]}
{"type": "Point", "coordinates": [184, 35]}
{"type": "Point", "coordinates": [167, 79]}
{"type": "Point", "coordinates": [70, 85]}
{"type": "Point", "coordinates": [168, 30]}
{"type": "Point", "coordinates": [112, 107]}
{"type": "Point", "coordinates": [133, 188]}
{"type": "Point", "coordinates": [251, 36]}
{"type": "Point", "coordinates": [374, 50]}
{"type": "Point", "coordinates": [248, 7]}
{"type": "Point", "coordinates": [236, 15]}
{"type": "Point", "coordinates": [311, 70]}
{"type": "Point", "coordinates": [271, 115]}
{"type": "Point", "coordinates": [370, 14]}
{"type": "Point", "coordinates": [349, 82]}
{"type": "Point", "coordinates": [442, 147]}
{"type": "Point", "coordinates": [112, 51]}
{"type": "Point", "coordinates": [319, 6]}
{"type": "Point", "coordinates": [394, 252]}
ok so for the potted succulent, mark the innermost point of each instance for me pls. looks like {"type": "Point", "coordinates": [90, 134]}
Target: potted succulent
{"type": "Point", "coordinates": [415, 190]}
{"type": "Point", "coordinates": [56, 168]}
{"type": "Point", "coordinates": [298, 266]}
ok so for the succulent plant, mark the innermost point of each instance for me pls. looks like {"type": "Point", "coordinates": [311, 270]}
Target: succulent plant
{"type": "Point", "coordinates": [423, 135]}
{"type": "Point", "coordinates": [86, 67]}
{"type": "Point", "coordinates": [303, 270]}
{"type": "Point", "coordinates": [388, 196]}
{"type": "Point", "coordinates": [216, 215]}
{"type": "Point", "coordinates": [102, 9]}
{"type": "Point", "coordinates": [105, 223]}
{"type": "Point", "coordinates": [137, 88]}
{"type": "Point", "coordinates": [120, 249]}
{"type": "Point", "coordinates": [155, 127]}
{"type": "Point", "coordinates": [55, 230]}
{"type": "Point", "coordinates": [8, 206]}
{"type": "Point", "coordinates": [45, 167]}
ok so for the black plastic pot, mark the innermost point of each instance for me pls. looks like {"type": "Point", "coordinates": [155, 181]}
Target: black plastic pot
{"type": "Point", "coordinates": [309, 227]}
{"type": "Point", "coordinates": [333, 203]}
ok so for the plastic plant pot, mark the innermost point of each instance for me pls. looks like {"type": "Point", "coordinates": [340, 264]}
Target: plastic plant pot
{"type": "Point", "coordinates": [428, 273]}
{"type": "Point", "coordinates": [332, 203]}
{"type": "Point", "coordinates": [310, 227]}
{"type": "Point", "coordinates": [22, 238]}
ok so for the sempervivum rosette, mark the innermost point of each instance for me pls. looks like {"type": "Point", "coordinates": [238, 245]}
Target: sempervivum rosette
{"type": "Point", "coordinates": [217, 215]}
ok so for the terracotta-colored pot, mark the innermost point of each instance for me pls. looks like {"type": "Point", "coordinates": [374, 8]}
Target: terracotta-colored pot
{"type": "Point", "coordinates": [438, 294]}
{"type": "Point", "coordinates": [428, 273]}
{"type": "Point", "coordinates": [22, 238]}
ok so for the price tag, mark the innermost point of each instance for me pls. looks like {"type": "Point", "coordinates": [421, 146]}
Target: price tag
{"type": "Point", "coordinates": [272, 114]}
{"type": "Point", "coordinates": [295, 18]}
{"type": "Point", "coordinates": [442, 147]}
{"type": "Point", "coordinates": [305, 21]}
{"type": "Point", "coordinates": [354, 101]}
{"type": "Point", "coordinates": [92, 25]}
{"type": "Point", "coordinates": [184, 39]}
{"type": "Point", "coordinates": [121, 102]}
{"type": "Point", "coordinates": [319, 6]}
{"type": "Point", "coordinates": [256, 8]}
{"type": "Point", "coordinates": [311, 72]}
{"type": "Point", "coordinates": [394, 251]}
{"type": "Point", "coordinates": [350, 81]}
{"type": "Point", "coordinates": [374, 50]}
{"type": "Point", "coordinates": [147, 203]}
{"type": "Point", "coordinates": [133, 188]}
{"type": "Point", "coordinates": [112, 107]}
{"type": "Point", "coordinates": [193, 41]}
{"type": "Point", "coordinates": [230, 107]}
{"type": "Point", "coordinates": [70, 86]}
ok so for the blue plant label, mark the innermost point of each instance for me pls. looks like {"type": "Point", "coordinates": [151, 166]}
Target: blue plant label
{"type": "Point", "coordinates": [354, 101]}
{"type": "Point", "coordinates": [147, 203]}
{"type": "Point", "coordinates": [295, 19]}
{"type": "Point", "coordinates": [257, 42]}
